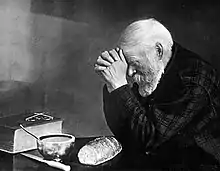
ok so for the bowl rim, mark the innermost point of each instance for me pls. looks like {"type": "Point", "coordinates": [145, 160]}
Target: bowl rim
{"type": "Point", "coordinates": [72, 137]}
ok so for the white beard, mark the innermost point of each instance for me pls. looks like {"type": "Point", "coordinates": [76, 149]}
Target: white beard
{"type": "Point", "coordinates": [147, 88]}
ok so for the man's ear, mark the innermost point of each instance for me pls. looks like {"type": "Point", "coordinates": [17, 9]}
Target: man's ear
{"type": "Point", "coordinates": [159, 50]}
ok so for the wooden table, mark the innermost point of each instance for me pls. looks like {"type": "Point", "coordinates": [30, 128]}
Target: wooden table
{"type": "Point", "coordinates": [121, 162]}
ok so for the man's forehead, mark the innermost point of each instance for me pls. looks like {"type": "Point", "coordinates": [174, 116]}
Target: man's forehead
{"type": "Point", "coordinates": [132, 56]}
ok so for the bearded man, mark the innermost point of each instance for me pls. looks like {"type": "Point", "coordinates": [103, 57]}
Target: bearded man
{"type": "Point", "coordinates": [159, 95]}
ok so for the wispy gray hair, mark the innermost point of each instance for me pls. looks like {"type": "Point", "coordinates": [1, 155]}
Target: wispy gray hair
{"type": "Point", "coordinates": [143, 34]}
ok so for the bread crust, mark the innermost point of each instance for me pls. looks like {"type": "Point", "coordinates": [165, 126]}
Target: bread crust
{"type": "Point", "coordinates": [99, 150]}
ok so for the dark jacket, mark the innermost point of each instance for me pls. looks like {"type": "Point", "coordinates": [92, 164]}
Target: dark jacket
{"type": "Point", "coordinates": [183, 109]}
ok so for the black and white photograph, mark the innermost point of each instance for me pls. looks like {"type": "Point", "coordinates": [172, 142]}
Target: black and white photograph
{"type": "Point", "coordinates": [109, 85]}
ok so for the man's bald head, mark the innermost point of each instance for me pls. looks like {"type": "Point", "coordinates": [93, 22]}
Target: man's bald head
{"type": "Point", "coordinates": [144, 34]}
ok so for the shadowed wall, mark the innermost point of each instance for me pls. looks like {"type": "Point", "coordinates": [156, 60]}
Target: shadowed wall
{"type": "Point", "coordinates": [48, 49]}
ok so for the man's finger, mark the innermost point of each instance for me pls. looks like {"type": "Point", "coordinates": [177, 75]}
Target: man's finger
{"type": "Point", "coordinates": [105, 55]}
{"type": "Point", "coordinates": [99, 68]}
{"type": "Point", "coordinates": [114, 54]}
{"type": "Point", "coordinates": [101, 61]}
{"type": "Point", "coordinates": [122, 56]}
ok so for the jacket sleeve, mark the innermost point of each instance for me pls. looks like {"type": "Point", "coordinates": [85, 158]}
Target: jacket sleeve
{"type": "Point", "coordinates": [127, 119]}
{"type": "Point", "coordinates": [131, 122]}
{"type": "Point", "coordinates": [132, 125]}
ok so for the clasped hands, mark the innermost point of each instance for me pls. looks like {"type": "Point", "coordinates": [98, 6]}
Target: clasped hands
{"type": "Point", "coordinates": [111, 66]}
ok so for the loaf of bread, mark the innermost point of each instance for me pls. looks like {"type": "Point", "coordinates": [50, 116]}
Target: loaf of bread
{"type": "Point", "coordinates": [99, 150]}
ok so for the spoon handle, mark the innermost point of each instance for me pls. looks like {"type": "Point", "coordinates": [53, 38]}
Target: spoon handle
{"type": "Point", "coordinates": [58, 165]}
{"type": "Point", "coordinates": [28, 132]}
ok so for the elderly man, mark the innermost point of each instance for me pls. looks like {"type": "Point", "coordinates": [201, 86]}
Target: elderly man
{"type": "Point", "coordinates": [158, 93]}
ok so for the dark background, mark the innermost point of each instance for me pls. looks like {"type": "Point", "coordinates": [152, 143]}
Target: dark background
{"type": "Point", "coordinates": [56, 42]}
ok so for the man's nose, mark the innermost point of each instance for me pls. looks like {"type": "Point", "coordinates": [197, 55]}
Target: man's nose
{"type": "Point", "coordinates": [131, 71]}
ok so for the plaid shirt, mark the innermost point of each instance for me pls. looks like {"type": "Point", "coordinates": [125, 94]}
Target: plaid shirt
{"type": "Point", "coordinates": [185, 103]}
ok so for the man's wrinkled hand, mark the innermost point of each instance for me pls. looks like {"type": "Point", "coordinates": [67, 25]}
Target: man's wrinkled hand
{"type": "Point", "coordinates": [112, 68]}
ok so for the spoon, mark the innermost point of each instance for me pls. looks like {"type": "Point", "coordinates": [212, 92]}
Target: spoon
{"type": "Point", "coordinates": [29, 132]}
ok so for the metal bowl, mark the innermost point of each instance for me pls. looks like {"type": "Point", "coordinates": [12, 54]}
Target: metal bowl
{"type": "Point", "coordinates": [56, 147]}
